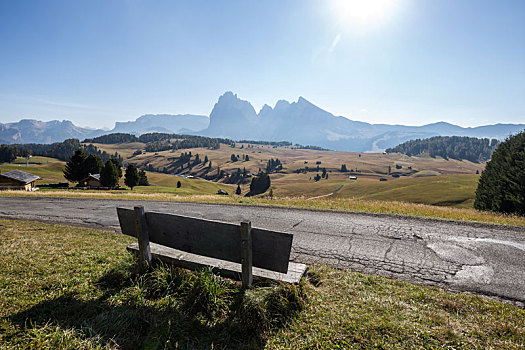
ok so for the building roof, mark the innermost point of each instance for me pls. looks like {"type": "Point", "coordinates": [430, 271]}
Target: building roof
{"type": "Point", "coordinates": [21, 176]}
{"type": "Point", "coordinates": [93, 176]}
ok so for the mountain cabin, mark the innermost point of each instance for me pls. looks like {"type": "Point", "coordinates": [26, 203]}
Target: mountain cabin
{"type": "Point", "coordinates": [92, 180]}
{"type": "Point", "coordinates": [18, 180]}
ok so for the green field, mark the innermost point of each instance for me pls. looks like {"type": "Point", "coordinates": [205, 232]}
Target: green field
{"type": "Point", "coordinates": [435, 187]}
{"type": "Point", "coordinates": [67, 287]}
{"type": "Point", "coordinates": [444, 190]}
{"type": "Point", "coordinates": [431, 181]}
{"type": "Point", "coordinates": [49, 169]}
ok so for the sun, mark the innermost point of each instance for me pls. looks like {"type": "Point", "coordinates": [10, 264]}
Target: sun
{"type": "Point", "coordinates": [362, 12]}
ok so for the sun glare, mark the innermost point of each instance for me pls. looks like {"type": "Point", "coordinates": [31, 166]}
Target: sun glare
{"type": "Point", "coordinates": [362, 12]}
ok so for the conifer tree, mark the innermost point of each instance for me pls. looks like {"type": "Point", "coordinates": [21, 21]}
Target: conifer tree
{"type": "Point", "coordinates": [118, 166]}
{"type": "Point", "coordinates": [74, 170]}
{"type": "Point", "coordinates": [501, 186]}
{"type": "Point", "coordinates": [131, 178]}
{"type": "Point", "coordinates": [143, 178]}
{"type": "Point", "coordinates": [109, 175]}
{"type": "Point", "coordinates": [93, 164]}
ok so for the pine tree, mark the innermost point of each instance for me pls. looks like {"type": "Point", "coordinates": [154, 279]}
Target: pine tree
{"type": "Point", "coordinates": [179, 185]}
{"type": "Point", "coordinates": [109, 175]}
{"type": "Point", "coordinates": [93, 164]}
{"type": "Point", "coordinates": [74, 170]}
{"type": "Point", "coordinates": [259, 184]}
{"type": "Point", "coordinates": [238, 190]}
{"type": "Point", "coordinates": [501, 186]}
{"type": "Point", "coordinates": [131, 179]}
{"type": "Point", "coordinates": [118, 166]}
{"type": "Point", "coordinates": [143, 178]}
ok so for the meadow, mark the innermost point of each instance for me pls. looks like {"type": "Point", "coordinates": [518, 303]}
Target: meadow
{"type": "Point", "coordinates": [438, 181]}
{"type": "Point", "coordinates": [429, 187]}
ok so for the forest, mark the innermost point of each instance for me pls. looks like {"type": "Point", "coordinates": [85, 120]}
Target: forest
{"type": "Point", "coordinates": [455, 147]}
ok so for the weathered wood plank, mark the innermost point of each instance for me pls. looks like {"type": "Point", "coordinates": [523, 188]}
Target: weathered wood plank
{"type": "Point", "coordinates": [219, 240]}
{"type": "Point", "coordinates": [224, 268]}
{"type": "Point", "coordinates": [246, 254]}
{"type": "Point", "coordinates": [126, 218]}
{"type": "Point", "coordinates": [141, 230]}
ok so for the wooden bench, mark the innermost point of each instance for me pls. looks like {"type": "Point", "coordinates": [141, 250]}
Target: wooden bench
{"type": "Point", "coordinates": [231, 250]}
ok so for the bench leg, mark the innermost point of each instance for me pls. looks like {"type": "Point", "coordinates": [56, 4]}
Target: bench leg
{"type": "Point", "coordinates": [141, 229]}
{"type": "Point", "coordinates": [246, 254]}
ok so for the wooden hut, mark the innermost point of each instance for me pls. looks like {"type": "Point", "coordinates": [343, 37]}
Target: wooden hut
{"type": "Point", "coordinates": [18, 180]}
{"type": "Point", "coordinates": [92, 180]}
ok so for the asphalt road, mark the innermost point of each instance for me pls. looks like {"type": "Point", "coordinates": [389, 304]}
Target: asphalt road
{"type": "Point", "coordinates": [485, 259]}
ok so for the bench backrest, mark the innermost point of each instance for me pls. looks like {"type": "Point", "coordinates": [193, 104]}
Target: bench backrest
{"type": "Point", "coordinates": [215, 239]}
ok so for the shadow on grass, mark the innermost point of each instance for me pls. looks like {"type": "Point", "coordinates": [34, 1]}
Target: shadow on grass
{"type": "Point", "coordinates": [170, 308]}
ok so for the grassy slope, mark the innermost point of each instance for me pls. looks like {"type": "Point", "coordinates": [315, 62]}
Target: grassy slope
{"type": "Point", "coordinates": [450, 190]}
{"type": "Point", "coordinates": [292, 159]}
{"type": "Point", "coordinates": [49, 169]}
{"type": "Point", "coordinates": [68, 287]}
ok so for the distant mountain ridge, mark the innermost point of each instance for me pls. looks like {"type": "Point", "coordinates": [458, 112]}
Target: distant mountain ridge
{"type": "Point", "coordinates": [304, 123]}
{"type": "Point", "coordinates": [231, 117]}
{"type": "Point", "coordinates": [168, 123]}
{"type": "Point", "coordinates": [35, 131]}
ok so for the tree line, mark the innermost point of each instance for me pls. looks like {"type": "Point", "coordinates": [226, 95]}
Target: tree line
{"type": "Point", "coordinates": [81, 165]}
{"type": "Point", "coordinates": [456, 147]}
{"type": "Point", "coordinates": [59, 150]}
{"type": "Point", "coordinates": [156, 142]}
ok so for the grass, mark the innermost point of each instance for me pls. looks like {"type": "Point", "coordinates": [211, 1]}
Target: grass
{"type": "Point", "coordinates": [74, 288]}
{"type": "Point", "coordinates": [448, 196]}
{"type": "Point", "coordinates": [343, 205]}
{"type": "Point", "coordinates": [446, 190]}
{"type": "Point", "coordinates": [49, 169]}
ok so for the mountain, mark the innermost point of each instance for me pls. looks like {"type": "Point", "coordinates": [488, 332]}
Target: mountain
{"type": "Point", "coordinates": [174, 124]}
{"type": "Point", "coordinates": [35, 131]}
{"type": "Point", "coordinates": [304, 123]}
{"type": "Point", "coordinates": [231, 117]}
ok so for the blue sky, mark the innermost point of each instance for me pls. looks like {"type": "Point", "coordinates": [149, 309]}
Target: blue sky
{"type": "Point", "coordinates": [411, 62]}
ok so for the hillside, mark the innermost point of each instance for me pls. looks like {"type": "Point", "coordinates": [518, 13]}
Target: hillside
{"type": "Point", "coordinates": [438, 181]}
{"type": "Point", "coordinates": [296, 172]}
